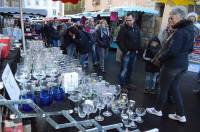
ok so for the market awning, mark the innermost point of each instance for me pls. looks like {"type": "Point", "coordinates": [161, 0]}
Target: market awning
{"type": "Point", "coordinates": [28, 11]}
{"type": "Point", "coordinates": [120, 10]}
{"type": "Point", "coordinates": [178, 2]}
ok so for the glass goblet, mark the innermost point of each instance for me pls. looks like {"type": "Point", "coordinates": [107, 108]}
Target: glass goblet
{"type": "Point", "coordinates": [140, 112]}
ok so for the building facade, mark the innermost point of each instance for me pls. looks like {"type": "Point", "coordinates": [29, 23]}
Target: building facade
{"type": "Point", "coordinates": [96, 5]}
{"type": "Point", "coordinates": [54, 8]}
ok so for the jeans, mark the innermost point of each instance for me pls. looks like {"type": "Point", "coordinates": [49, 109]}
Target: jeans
{"type": "Point", "coordinates": [71, 50]}
{"type": "Point", "coordinates": [102, 52]}
{"type": "Point", "coordinates": [126, 68]}
{"type": "Point", "coordinates": [150, 80]}
{"type": "Point", "coordinates": [170, 82]}
{"type": "Point", "coordinates": [84, 60]}
{"type": "Point", "coordinates": [198, 75]}
{"type": "Point", "coordinates": [56, 43]}
{"type": "Point", "coordinates": [94, 54]}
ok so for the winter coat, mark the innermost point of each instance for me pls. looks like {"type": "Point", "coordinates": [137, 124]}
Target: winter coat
{"type": "Point", "coordinates": [82, 42]}
{"type": "Point", "coordinates": [149, 53]}
{"type": "Point", "coordinates": [102, 39]}
{"type": "Point", "coordinates": [128, 38]}
{"type": "Point", "coordinates": [174, 53]}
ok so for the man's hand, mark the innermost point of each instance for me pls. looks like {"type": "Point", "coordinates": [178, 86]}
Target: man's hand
{"type": "Point", "coordinates": [155, 61]}
{"type": "Point", "coordinates": [73, 36]}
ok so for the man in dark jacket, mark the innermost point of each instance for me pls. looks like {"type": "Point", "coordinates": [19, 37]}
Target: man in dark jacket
{"type": "Point", "coordinates": [82, 42]}
{"type": "Point", "coordinates": [128, 40]}
{"type": "Point", "coordinates": [174, 60]}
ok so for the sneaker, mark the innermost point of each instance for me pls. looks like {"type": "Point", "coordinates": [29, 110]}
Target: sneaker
{"type": "Point", "coordinates": [176, 117]}
{"type": "Point", "coordinates": [152, 91]}
{"type": "Point", "coordinates": [153, 111]}
{"type": "Point", "coordinates": [146, 90]}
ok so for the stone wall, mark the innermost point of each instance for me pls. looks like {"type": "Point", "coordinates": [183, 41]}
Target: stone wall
{"type": "Point", "coordinates": [150, 27]}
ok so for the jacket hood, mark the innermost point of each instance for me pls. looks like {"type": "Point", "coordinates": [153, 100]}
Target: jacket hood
{"type": "Point", "coordinates": [183, 23]}
{"type": "Point", "coordinates": [186, 24]}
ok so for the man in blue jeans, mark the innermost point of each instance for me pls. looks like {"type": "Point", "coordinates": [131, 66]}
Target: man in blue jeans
{"type": "Point", "coordinates": [128, 40]}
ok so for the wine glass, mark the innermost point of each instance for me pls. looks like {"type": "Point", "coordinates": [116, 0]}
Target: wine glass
{"type": "Point", "coordinates": [88, 108]}
{"type": "Point", "coordinates": [117, 90]}
{"type": "Point", "coordinates": [39, 72]}
{"type": "Point", "coordinates": [100, 105]}
{"type": "Point", "coordinates": [107, 99]}
{"type": "Point", "coordinates": [131, 105]}
{"type": "Point", "coordinates": [131, 114]}
{"type": "Point", "coordinates": [140, 112]}
{"type": "Point", "coordinates": [75, 96]}
{"type": "Point", "coordinates": [125, 118]}
{"type": "Point", "coordinates": [81, 113]}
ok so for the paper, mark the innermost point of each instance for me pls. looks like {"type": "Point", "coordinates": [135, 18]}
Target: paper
{"type": "Point", "coordinates": [10, 84]}
{"type": "Point", "coordinates": [194, 67]}
{"type": "Point", "coordinates": [70, 81]}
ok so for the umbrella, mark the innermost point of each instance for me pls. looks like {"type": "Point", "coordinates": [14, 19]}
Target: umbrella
{"type": "Point", "coordinates": [71, 1]}
{"type": "Point", "coordinates": [178, 2]}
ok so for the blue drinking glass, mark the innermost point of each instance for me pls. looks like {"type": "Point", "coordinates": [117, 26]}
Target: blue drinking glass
{"type": "Point", "coordinates": [26, 107]}
{"type": "Point", "coordinates": [58, 93]}
{"type": "Point", "coordinates": [46, 97]}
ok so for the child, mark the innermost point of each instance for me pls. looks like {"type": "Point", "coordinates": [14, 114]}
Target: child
{"type": "Point", "coordinates": [152, 71]}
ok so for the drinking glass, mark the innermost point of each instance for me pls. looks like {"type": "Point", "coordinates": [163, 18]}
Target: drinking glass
{"type": "Point", "coordinates": [140, 112]}
{"type": "Point", "coordinates": [100, 105]}
{"type": "Point", "coordinates": [88, 108]}
{"type": "Point", "coordinates": [75, 96]}
{"type": "Point", "coordinates": [107, 99]}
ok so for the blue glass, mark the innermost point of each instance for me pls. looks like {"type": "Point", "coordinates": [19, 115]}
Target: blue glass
{"type": "Point", "coordinates": [58, 93]}
{"type": "Point", "coordinates": [46, 97]}
{"type": "Point", "coordinates": [26, 107]}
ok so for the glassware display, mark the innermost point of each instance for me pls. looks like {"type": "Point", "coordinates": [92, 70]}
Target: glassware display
{"type": "Point", "coordinates": [45, 67]}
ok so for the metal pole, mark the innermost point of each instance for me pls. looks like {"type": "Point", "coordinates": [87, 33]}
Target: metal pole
{"type": "Point", "coordinates": [22, 26]}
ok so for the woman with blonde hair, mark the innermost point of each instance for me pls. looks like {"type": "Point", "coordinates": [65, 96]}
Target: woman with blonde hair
{"type": "Point", "coordinates": [103, 42]}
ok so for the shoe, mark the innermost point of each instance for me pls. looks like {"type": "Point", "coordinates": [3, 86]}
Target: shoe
{"type": "Point", "coordinates": [153, 111]}
{"type": "Point", "coordinates": [196, 91]}
{"type": "Point", "coordinates": [152, 91]}
{"type": "Point", "coordinates": [131, 87]}
{"type": "Point", "coordinates": [146, 91]}
{"type": "Point", "coordinates": [181, 119]}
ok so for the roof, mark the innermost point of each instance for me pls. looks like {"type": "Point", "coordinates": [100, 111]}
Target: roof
{"type": "Point", "coordinates": [29, 11]}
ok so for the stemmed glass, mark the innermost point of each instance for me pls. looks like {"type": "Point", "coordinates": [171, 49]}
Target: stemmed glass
{"type": "Point", "coordinates": [107, 99]}
{"type": "Point", "coordinates": [123, 103]}
{"type": "Point", "coordinates": [117, 90]}
{"type": "Point", "coordinates": [39, 71]}
{"type": "Point", "coordinates": [140, 112]}
{"type": "Point", "coordinates": [100, 105]}
{"type": "Point", "coordinates": [88, 108]}
{"type": "Point", "coordinates": [131, 114]}
{"type": "Point", "coordinates": [75, 96]}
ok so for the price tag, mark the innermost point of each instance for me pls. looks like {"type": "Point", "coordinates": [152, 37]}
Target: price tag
{"type": "Point", "coordinates": [10, 84]}
{"type": "Point", "coordinates": [70, 81]}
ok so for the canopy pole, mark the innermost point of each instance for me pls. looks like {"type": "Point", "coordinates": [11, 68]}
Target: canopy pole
{"type": "Point", "coordinates": [22, 26]}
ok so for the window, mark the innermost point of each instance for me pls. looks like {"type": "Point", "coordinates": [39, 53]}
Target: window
{"type": "Point", "coordinates": [37, 2]}
{"type": "Point", "coordinates": [54, 12]}
{"type": "Point", "coordinates": [45, 3]}
{"type": "Point", "coordinates": [28, 2]}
